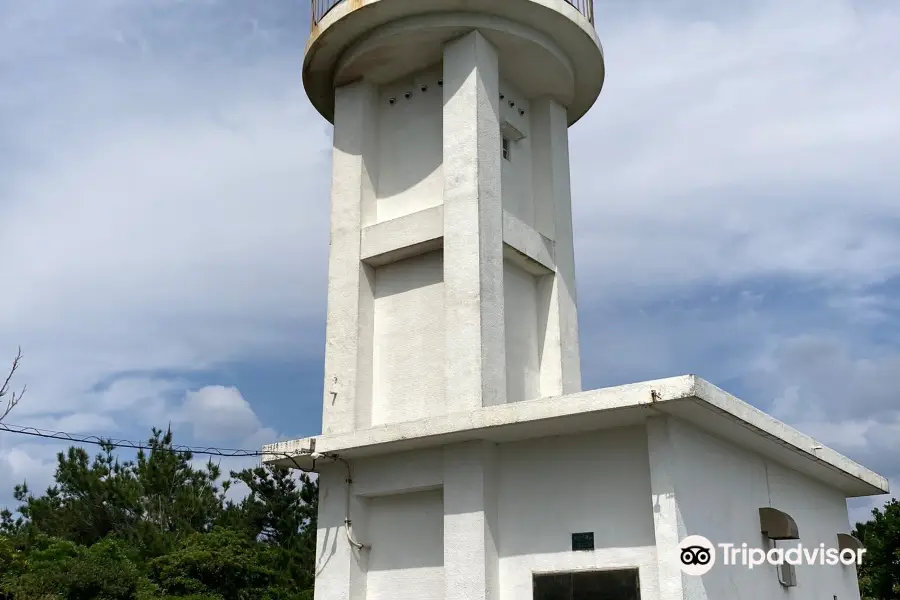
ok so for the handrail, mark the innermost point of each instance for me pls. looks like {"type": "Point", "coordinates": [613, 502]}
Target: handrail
{"type": "Point", "coordinates": [321, 7]}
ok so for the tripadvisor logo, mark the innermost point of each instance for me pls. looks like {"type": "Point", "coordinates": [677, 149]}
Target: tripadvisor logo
{"type": "Point", "coordinates": [697, 555]}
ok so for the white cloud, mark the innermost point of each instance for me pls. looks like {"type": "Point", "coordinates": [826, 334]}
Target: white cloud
{"type": "Point", "coordinates": [166, 230]}
{"type": "Point", "coordinates": [730, 148]}
{"type": "Point", "coordinates": [822, 381]}
{"type": "Point", "coordinates": [218, 413]}
{"type": "Point", "coordinates": [25, 462]}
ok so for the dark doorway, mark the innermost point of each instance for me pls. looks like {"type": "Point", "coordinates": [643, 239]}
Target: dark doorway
{"type": "Point", "coordinates": [588, 585]}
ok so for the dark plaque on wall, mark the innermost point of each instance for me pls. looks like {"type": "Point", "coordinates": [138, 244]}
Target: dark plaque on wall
{"type": "Point", "coordinates": [583, 541]}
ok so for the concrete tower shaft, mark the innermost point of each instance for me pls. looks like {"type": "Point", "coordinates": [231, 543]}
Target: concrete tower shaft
{"type": "Point", "coordinates": [451, 274]}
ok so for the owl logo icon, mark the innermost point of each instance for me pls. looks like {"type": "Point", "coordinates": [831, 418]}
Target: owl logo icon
{"type": "Point", "coordinates": [696, 555]}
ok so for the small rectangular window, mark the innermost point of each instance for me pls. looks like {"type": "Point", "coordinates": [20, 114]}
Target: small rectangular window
{"type": "Point", "coordinates": [583, 541]}
{"type": "Point", "coordinates": [505, 148]}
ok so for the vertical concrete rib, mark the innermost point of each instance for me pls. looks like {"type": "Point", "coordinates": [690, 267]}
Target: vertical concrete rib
{"type": "Point", "coordinates": [471, 563]}
{"type": "Point", "coordinates": [348, 337]}
{"type": "Point", "coordinates": [668, 527]}
{"type": "Point", "coordinates": [473, 225]}
{"type": "Point", "coordinates": [560, 354]}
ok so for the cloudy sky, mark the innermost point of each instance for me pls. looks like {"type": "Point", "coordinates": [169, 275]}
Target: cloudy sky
{"type": "Point", "coordinates": [164, 203]}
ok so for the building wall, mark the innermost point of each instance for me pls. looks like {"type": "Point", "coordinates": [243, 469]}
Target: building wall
{"type": "Point", "coordinates": [408, 174]}
{"type": "Point", "coordinates": [408, 349]}
{"type": "Point", "coordinates": [719, 490]}
{"type": "Point", "coordinates": [821, 513]}
{"type": "Point", "coordinates": [410, 153]}
{"type": "Point", "coordinates": [521, 315]}
{"type": "Point", "coordinates": [544, 490]}
{"type": "Point", "coordinates": [553, 487]}
{"type": "Point", "coordinates": [406, 533]}
{"type": "Point", "coordinates": [518, 197]}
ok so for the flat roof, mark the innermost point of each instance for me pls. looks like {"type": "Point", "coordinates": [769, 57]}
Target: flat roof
{"type": "Point", "coordinates": [687, 397]}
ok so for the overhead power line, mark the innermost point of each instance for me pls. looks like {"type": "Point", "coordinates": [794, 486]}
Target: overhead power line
{"type": "Point", "coordinates": [98, 440]}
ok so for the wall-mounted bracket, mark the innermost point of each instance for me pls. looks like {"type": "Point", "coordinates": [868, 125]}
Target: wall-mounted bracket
{"type": "Point", "coordinates": [509, 131]}
{"type": "Point", "coordinates": [777, 525]}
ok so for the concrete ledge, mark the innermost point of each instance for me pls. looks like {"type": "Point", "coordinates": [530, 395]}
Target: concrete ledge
{"type": "Point", "coordinates": [686, 397]}
{"type": "Point", "coordinates": [403, 237]}
{"type": "Point", "coordinates": [531, 245]}
{"type": "Point", "coordinates": [517, 421]}
{"type": "Point", "coordinates": [350, 22]}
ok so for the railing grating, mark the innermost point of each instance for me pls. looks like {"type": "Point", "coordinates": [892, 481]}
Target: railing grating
{"type": "Point", "coordinates": [321, 7]}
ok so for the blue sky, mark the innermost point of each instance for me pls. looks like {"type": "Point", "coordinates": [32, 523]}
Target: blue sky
{"type": "Point", "coordinates": [164, 205]}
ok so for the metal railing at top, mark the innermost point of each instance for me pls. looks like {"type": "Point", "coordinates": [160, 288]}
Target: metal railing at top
{"type": "Point", "coordinates": [321, 7]}
{"type": "Point", "coordinates": [585, 7]}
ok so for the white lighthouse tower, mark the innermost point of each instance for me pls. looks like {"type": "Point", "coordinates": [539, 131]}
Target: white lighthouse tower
{"type": "Point", "coordinates": [459, 458]}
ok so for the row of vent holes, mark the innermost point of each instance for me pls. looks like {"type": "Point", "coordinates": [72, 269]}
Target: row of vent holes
{"type": "Point", "coordinates": [513, 105]}
{"type": "Point", "coordinates": [408, 95]}
{"type": "Point", "coordinates": [424, 88]}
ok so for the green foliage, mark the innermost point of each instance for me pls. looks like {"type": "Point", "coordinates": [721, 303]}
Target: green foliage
{"type": "Point", "coordinates": [150, 502]}
{"type": "Point", "coordinates": [277, 507]}
{"type": "Point", "coordinates": [879, 574]}
{"type": "Point", "coordinates": [223, 562]}
{"type": "Point", "coordinates": [60, 568]}
{"type": "Point", "coordinates": [158, 528]}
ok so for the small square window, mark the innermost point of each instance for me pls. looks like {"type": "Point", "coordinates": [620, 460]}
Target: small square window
{"type": "Point", "coordinates": [583, 541]}
{"type": "Point", "coordinates": [505, 148]}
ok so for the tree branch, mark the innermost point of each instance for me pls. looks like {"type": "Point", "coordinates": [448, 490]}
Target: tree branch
{"type": "Point", "coordinates": [14, 399]}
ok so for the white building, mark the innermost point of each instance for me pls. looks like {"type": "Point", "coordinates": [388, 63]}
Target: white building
{"type": "Point", "coordinates": [480, 469]}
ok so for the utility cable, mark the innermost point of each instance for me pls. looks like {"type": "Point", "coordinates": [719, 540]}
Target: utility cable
{"type": "Point", "coordinates": [116, 443]}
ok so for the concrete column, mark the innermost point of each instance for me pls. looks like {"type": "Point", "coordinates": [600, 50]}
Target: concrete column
{"type": "Point", "coordinates": [560, 354]}
{"type": "Point", "coordinates": [471, 564]}
{"type": "Point", "coordinates": [668, 525]}
{"type": "Point", "coordinates": [340, 569]}
{"type": "Point", "coordinates": [473, 226]}
{"type": "Point", "coordinates": [348, 333]}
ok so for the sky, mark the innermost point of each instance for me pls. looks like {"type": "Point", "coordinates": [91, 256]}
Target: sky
{"type": "Point", "coordinates": [164, 214]}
